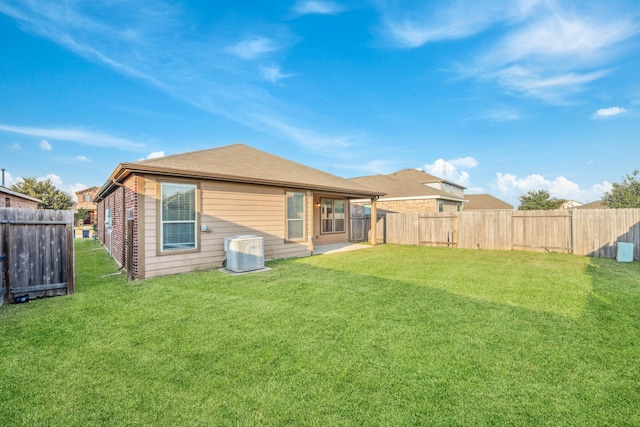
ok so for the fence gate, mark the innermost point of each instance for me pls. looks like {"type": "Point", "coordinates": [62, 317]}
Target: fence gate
{"type": "Point", "coordinates": [36, 248]}
{"type": "Point", "coordinates": [550, 231]}
{"type": "Point", "coordinates": [438, 230]}
{"type": "Point", "coordinates": [361, 229]}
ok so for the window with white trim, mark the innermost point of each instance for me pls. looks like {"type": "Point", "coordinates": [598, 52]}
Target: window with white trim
{"type": "Point", "coordinates": [440, 205]}
{"type": "Point", "coordinates": [332, 216]}
{"type": "Point", "coordinates": [295, 215]}
{"type": "Point", "coordinates": [178, 216]}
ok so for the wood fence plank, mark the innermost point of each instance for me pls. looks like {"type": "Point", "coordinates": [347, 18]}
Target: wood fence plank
{"type": "Point", "coordinates": [39, 250]}
{"type": "Point", "coordinates": [592, 232]}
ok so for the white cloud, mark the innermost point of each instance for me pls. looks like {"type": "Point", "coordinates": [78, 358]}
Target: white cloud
{"type": "Point", "coordinates": [74, 135]}
{"type": "Point", "coordinates": [545, 49]}
{"type": "Point", "coordinates": [498, 115]}
{"type": "Point", "coordinates": [510, 186]}
{"type": "Point", "coordinates": [57, 181]}
{"type": "Point", "coordinates": [8, 179]}
{"type": "Point", "coordinates": [82, 158]}
{"type": "Point", "coordinates": [539, 84]}
{"type": "Point", "coordinates": [16, 146]}
{"type": "Point", "coordinates": [155, 155]}
{"type": "Point", "coordinates": [306, 7]}
{"type": "Point", "coordinates": [609, 112]}
{"type": "Point", "coordinates": [201, 69]}
{"type": "Point", "coordinates": [72, 188]}
{"type": "Point", "coordinates": [274, 74]}
{"type": "Point", "coordinates": [45, 145]}
{"type": "Point", "coordinates": [454, 170]}
{"type": "Point", "coordinates": [450, 20]}
{"type": "Point", "coordinates": [308, 138]}
{"type": "Point", "coordinates": [253, 48]}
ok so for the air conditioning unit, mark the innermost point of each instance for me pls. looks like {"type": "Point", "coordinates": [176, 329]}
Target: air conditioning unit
{"type": "Point", "coordinates": [244, 253]}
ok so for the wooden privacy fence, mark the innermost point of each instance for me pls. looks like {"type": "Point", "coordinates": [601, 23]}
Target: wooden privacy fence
{"type": "Point", "coordinates": [361, 229]}
{"type": "Point", "coordinates": [36, 248]}
{"type": "Point", "coordinates": [593, 232]}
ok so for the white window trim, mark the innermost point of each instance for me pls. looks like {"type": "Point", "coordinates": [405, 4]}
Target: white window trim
{"type": "Point", "coordinates": [287, 219]}
{"type": "Point", "coordinates": [196, 243]}
{"type": "Point", "coordinates": [333, 219]}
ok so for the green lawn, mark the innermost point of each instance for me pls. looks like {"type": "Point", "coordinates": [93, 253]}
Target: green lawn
{"type": "Point", "coordinates": [394, 335]}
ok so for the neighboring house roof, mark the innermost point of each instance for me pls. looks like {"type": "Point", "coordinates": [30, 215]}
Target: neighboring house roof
{"type": "Point", "coordinates": [570, 204]}
{"type": "Point", "coordinates": [406, 184]}
{"type": "Point", "coordinates": [485, 202]}
{"type": "Point", "coordinates": [88, 190]}
{"type": "Point", "coordinates": [422, 177]}
{"type": "Point", "coordinates": [5, 190]}
{"type": "Point", "coordinates": [594, 205]}
{"type": "Point", "coordinates": [239, 163]}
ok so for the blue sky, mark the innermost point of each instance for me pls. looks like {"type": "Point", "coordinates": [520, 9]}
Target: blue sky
{"type": "Point", "coordinates": [499, 98]}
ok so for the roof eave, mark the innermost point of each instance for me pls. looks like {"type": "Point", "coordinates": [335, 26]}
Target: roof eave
{"type": "Point", "coordinates": [125, 169]}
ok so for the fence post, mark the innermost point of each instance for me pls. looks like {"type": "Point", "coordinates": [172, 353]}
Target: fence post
{"type": "Point", "coordinates": [5, 264]}
{"type": "Point", "coordinates": [71, 283]}
{"type": "Point", "coordinates": [374, 222]}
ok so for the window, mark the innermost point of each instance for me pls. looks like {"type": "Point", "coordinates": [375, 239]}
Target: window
{"type": "Point", "coordinates": [332, 216]}
{"type": "Point", "coordinates": [7, 202]}
{"type": "Point", "coordinates": [86, 198]}
{"type": "Point", "coordinates": [178, 216]}
{"type": "Point", "coordinates": [440, 205]}
{"type": "Point", "coordinates": [458, 206]}
{"type": "Point", "coordinates": [295, 216]}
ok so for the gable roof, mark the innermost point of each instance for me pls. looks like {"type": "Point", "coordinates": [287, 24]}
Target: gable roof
{"type": "Point", "coordinates": [239, 163]}
{"type": "Point", "coordinates": [87, 190]}
{"type": "Point", "coordinates": [417, 175]}
{"type": "Point", "coordinates": [407, 183]}
{"type": "Point", "coordinates": [484, 202]}
{"type": "Point", "coordinates": [5, 190]}
{"type": "Point", "coordinates": [597, 204]}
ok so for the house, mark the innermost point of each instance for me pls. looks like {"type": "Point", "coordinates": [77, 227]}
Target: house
{"type": "Point", "coordinates": [597, 204]}
{"type": "Point", "coordinates": [13, 199]}
{"type": "Point", "coordinates": [411, 190]}
{"type": "Point", "coordinates": [570, 204]}
{"type": "Point", "coordinates": [85, 201]}
{"type": "Point", "coordinates": [485, 202]}
{"type": "Point", "coordinates": [180, 208]}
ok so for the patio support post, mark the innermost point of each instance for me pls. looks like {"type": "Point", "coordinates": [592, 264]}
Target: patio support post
{"type": "Point", "coordinates": [373, 240]}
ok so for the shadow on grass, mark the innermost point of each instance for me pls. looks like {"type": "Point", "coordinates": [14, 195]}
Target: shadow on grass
{"type": "Point", "coordinates": [348, 339]}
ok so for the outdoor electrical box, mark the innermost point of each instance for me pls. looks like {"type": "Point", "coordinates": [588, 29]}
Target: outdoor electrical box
{"type": "Point", "coordinates": [625, 252]}
{"type": "Point", "coordinates": [108, 218]}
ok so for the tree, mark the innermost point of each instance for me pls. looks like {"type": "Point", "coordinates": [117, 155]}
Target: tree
{"type": "Point", "coordinates": [81, 215]}
{"type": "Point", "coordinates": [625, 194]}
{"type": "Point", "coordinates": [50, 196]}
{"type": "Point", "coordinates": [539, 200]}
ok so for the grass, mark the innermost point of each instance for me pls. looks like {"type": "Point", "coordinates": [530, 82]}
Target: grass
{"type": "Point", "coordinates": [395, 335]}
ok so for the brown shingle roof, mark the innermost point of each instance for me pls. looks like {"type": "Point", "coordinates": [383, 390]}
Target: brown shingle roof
{"type": "Point", "coordinates": [240, 163]}
{"type": "Point", "coordinates": [594, 205]}
{"type": "Point", "coordinates": [485, 202]}
{"type": "Point", "coordinates": [405, 183]}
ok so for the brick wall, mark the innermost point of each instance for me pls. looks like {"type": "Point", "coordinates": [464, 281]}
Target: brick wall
{"type": "Point", "coordinates": [9, 201]}
{"type": "Point", "coordinates": [405, 206]}
{"type": "Point", "coordinates": [121, 199]}
{"type": "Point", "coordinates": [408, 206]}
{"type": "Point", "coordinates": [131, 202]}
